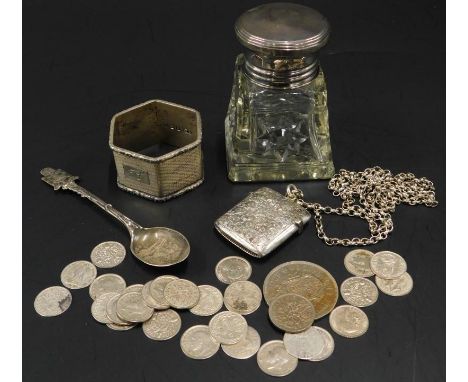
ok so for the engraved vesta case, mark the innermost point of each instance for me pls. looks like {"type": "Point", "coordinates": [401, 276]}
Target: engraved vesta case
{"type": "Point", "coordinates": [277, 122]}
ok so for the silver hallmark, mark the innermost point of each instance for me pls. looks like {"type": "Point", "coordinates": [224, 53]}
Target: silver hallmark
{"type": "Point", "coordinates": [136, 174]}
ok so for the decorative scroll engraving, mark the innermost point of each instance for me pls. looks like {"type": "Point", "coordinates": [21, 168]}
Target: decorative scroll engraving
{"type": "Point", "coordinates": [57, 178]}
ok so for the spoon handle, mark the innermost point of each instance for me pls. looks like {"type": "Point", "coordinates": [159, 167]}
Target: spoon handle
{"type": "Point", "coordinates": [60, 179]}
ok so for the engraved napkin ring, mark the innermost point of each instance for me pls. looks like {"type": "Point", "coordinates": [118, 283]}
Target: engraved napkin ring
{"type": "Point", "coordinates": [146, 125]}
{"type": "Point", "coordinates": [262, 221]}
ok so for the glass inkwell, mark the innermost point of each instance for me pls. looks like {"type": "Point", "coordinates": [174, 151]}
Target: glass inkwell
{"type": "Point", "coordinates": [277, 122]}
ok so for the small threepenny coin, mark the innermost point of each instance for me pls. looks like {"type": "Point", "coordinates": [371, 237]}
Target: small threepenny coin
{"type": "Point", "coordinates": [328, 348]}
{"type": "Point", "coordinates": [162, 325]}
{"type": "Point", "coordinates": [357, 262]}
{"type": "Point", "coordinates": [111, 311]}
{"type": "Point", "coordinates": [273, 359]}
{"type": "Point", "coordinates": [246, 347]}
{"type": "Point", "coordinates": [78, 274]}
{"type": "Point", "coordinates": [305, 345]}
{"type": "Point", "coordinates": [210, 302]}
{"type": "Point", "coordinates": [243, 297]}
{"type": "Point", "coordinates": [388, 265]}
{"type": "Point", "coordinates": [106, 283]}
{"type": "Point", "coordinates": [181, 294]}
{"type": "Point", "coordinates": [228, 327]}
{"type": "Point", "coordinates": [359, 291]}
{"type": "Point", "coordinates": [108, 254]}
{"type": "Point", "coordinates": [197, 342]}
{"type": "Point", "coordinates": [99, 308]}
{"type": "Point", "coordinates": [291, 312]}
{"type": "Point", "coordinates": [52, 301]}
{"type": "Point", "coordinates": [132, 308]}
{"type": "Point", "coordinates": [156, 290]}
{"type": "Point", "coordinates": [349, 321]}
{"type": "Point", "coordinates": [397, 287]}
{"type": "Point", "coordinates": [133, 288]}
{"type": "Point", "coordinates": [233, 268]}
{"type": "Point", "coordinates": [306, 279]}
{"type": "Point", "coordinates": [148, 297]}
{"type": "Point", "coordinates": [120, 328]}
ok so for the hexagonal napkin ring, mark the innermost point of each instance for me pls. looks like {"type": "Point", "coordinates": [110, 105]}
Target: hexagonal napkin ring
{"type": "Point", "coordinates": [145, 125]}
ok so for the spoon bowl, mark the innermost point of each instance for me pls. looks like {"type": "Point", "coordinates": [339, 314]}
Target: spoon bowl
{"type": "Point", "coordinates": [159, 246]}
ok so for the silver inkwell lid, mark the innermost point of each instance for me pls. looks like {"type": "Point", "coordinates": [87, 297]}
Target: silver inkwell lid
{"type": "Point", "coordinates": [282, 41]}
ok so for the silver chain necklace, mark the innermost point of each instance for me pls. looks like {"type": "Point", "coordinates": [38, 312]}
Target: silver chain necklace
{"type": "Point", "coordinates": [371, 195]}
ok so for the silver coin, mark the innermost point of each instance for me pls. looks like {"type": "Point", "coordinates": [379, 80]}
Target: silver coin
{"type": "Point", "coordinates": [246, 347]}
{"type": "Point", "coordinates": [132, 308]}
{"type": "Point", "coordinates": [148, 298]}
{"type": "Point", "coordinates": [349, 321]}
{"type": "Point", "coordinates": [291, 312]}
{"type": "Point", "coordinates": [120, 327]}
{"type": "Point", "coordinates": [329, 347]}
{"type": "Point", "coordinates": [359, 291]}
{"type": "Point", "coordinates": [306, 344]}
{"type": "Point", "coordinates": [99, 308]}
{"type": "Point", "coordinates": [106, 283]}
{"type": "Point", "coordinates": [52, 301]}
{"type": "Point", "coordinates": [162, 325]}
{"type": "Point", "coordinates": [243, 297]}
{"type": "Point", "coordinates": [397, 287]}
{"type": "Point", "coordinates": [357, 262]}
{"type": "Point", "coordinates": [78, 274]}
{"type": "Point", "coordinates": [233, 268]}
{"type": "Point", "coordinates": [388, 265]}
{"type": "Point", "coordinates": [197, 342]}
{"type": "Point", "coordinates": [133, 288]}
{"type": "Point", "coordinates": [111, 311]}
{"type": "Point", "coordinates": [156, 290]}
{"type": "Point", "coordinates": [108, 254]}
{"type": "Point", "coordinates": [210, 302]}
{"type": "Point", "coordinates": [273, 359]}
{"type": "Point", "coordinates": [181, 294]}
{"type": "Point", "coordinates": [228, 327]}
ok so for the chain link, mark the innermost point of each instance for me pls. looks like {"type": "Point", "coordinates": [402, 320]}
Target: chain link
{"type": "Point", "coordinates": [371, 195]}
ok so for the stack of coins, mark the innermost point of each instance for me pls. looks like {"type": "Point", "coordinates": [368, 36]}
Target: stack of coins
{"type": "Point", "coordinates": [297, 292]}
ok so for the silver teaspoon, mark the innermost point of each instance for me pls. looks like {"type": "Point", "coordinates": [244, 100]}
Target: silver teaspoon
{"type": "Point", "coordinates": [156, 246]}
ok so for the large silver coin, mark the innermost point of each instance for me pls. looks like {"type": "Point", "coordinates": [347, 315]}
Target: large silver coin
{"type": "Point", "coordinates": [78, 274]}
{"type": "Point", "coordinates": [228, 327]}
{"type": "Point", "coordinates": [99, 308]}
{"type": "Point", "coordinates": [349, 321]}
{"type": "Point", "coordinates": [243, 297]}
{"type": "Point", "coordinates": [52, 301]}
{"type": "Point", "coordinates": [357, 262]}
{"type": "Point", "coordinates": [397, 287]}
{"type": "Point", "coordinates": [306, 344]}
{"type": "Point", "coordinates": [111, 311]}
{"type": "Point", "coordinates": [291, 313]}
{"type": "Point", "coordinates": [273, 359]}
{"type": "Point", "coordinates": [181, 294]}
{"type": "Point", "coordinates": [210, 302]}
{"type": "Point", "coordinates": [148, 298]}
{"type": "Point", "coordinates": [162, 325]}
{"type": "Point", "coordinates": [132, 308]}
{"type": "Point", "coordinates": [233, 268]}
{"type": "Point", "coordinates": [108, 254]}
{"type": "Point", "coordinates": [246, 347]}
{"type": "Point", "coordinates": [197, 342]}
{"type": "Point", "coordinates": [388, 265]}
{"type": "Point", "coordinates": [107, 283]}
{"type": "Point", "coordinates": [133, 288]}
{"type": "Point", "coordinates": [120, 328]}
{"type": "Point", "coordinates": [306, 279]}
{"type": "Point", "coordinates": [359, 291]}
{"type": "Point", "coordinates": [328, 348]}
{"type": "Point", "coordinates": [156, 290]}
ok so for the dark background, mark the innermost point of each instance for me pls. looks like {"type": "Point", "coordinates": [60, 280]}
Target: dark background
{"type": "Point", "coordinates": [87, 60]}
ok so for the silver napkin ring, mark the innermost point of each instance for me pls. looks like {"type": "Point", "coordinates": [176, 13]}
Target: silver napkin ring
{"type": "Point", "coordinates": [155, 122]}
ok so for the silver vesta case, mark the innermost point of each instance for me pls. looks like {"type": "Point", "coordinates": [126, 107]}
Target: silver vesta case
{"type": "Point", "coordinates": [262, 221]}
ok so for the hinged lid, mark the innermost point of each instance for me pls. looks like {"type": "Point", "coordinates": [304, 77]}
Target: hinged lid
{"type": "Point", "coordinates": [282, 27]}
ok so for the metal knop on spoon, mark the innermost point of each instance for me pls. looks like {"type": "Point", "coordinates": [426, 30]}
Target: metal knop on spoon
{"type": "Point", "coordinates": [156, 246]}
